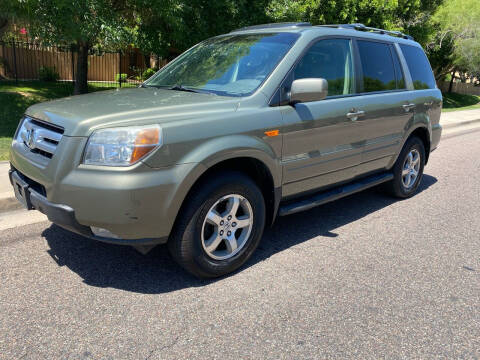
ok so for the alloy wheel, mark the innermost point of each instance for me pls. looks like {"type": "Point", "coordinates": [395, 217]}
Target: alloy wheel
{"type": "Point", "coordinates": [227, 227]}
{"type": "Point", "coordinates": [411, 168]}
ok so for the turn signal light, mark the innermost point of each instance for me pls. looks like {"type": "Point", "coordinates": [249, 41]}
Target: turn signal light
{"type": "Point", "coordinates": [272, 133]}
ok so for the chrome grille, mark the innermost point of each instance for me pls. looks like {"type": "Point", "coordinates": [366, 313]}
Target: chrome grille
{"type": "Point", "coordinates": [39, 137]}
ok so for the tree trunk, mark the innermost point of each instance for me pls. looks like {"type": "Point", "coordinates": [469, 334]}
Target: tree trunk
{"type": "Point", "coordinates": [451, 82]}
{"type": "Point", "coordinates": [81, 73]}
{"type": "Point", "coordinates": [147, 60]}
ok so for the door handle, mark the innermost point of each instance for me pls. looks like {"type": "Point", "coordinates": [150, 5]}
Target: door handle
{"type": "Point", "coordinates": [354, 115]}
{"type": "Point", "coordinates": [408, 107]}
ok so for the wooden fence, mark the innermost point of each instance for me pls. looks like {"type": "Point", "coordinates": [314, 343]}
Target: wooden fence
{"type": "Point", "coordinates": [22, 61]}
{"type": "Point", "coordinates": [459, 87]}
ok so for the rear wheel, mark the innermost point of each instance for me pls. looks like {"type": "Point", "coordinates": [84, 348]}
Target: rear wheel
{"type": "Point", "coordinates": [220, 226]}
{"type": "Point", "coordinates": [408, 169]}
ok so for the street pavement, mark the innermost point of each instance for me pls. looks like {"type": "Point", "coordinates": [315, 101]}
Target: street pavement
{"type": "Point", "coordinates": [364, 277]}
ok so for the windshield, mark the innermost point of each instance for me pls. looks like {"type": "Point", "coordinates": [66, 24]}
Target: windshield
{"type": "Point", "coordinates": [232, 65]}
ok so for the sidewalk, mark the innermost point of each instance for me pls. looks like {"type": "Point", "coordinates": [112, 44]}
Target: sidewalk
{"type": "Point", "coordinates": [459, 118]}
{"type": "Point", "coordinates": [7, 198]}
{"type": "Point", "coordinates": [448, 120]}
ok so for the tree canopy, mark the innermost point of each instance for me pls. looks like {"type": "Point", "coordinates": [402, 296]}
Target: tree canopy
{"type": "Point", "coordinates": [81, 23]}
{"type": "Point", "coordinates": [404, 15]}
{"type": "Point", "coordinates": [449, 30]}
{"type": "Point", "coordinates": [168, 27]}
{"type": "Point", "coordinates": [456, 44]}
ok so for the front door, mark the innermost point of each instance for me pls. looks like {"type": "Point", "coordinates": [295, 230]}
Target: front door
{"type": "Point", "coordinates": [322, 139]}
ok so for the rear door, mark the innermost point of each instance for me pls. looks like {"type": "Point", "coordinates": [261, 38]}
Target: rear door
{"type": "Point", "coordinates": [386, 101]}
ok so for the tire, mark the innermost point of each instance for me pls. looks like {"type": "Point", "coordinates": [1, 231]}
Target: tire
{"type": "Point", "coordinates": [206, 247]}
{"type": "Point", "coordinates": [403, 185]}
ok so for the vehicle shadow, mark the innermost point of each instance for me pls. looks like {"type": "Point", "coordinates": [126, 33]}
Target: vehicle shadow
{"type": "Point", "coordinates": [122, 267]}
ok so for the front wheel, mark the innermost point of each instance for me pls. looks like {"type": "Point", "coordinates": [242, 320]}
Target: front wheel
{"type": "Point", "coordinates": [220, 226]}
{"type": "Point", "coordinates": [408, 170]}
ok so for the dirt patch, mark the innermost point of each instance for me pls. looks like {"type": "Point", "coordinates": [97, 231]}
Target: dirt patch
{"type": "Point", "coordinates": [26, 94]}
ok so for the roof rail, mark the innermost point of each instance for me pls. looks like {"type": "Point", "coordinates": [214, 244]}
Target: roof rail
{"type": "Point", "coordinates": [274, 25]}
{"type": "Point", "coordinates": [361, 27]}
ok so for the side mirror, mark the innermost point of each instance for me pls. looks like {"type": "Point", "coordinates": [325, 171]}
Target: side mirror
{"type": "Point", "coordinates": [306, 90]}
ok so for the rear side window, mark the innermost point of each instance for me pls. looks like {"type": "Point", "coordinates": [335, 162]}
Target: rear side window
{"type": "Point", "coordinates": [377, 66]}
{"type": "Point", "coordinates": [419, 67]}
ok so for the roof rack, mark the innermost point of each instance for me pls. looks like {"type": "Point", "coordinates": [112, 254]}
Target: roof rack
{"type": "Point", "coordinates": [361, 27]}
{"type": "Point", "coordinates": [274, 25]}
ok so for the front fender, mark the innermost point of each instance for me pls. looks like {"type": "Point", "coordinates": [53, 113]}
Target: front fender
{"type": "Point", "coordinates": [217, 150]}
{"type": "Point", "coordinates": [203, 157]}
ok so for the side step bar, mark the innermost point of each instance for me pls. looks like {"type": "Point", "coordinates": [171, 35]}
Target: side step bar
{"type": "Point", "coordinates": [333, 194]}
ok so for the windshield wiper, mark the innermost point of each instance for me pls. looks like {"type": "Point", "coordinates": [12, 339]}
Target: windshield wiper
{"type": "Point", "coordinates": [183, 88]}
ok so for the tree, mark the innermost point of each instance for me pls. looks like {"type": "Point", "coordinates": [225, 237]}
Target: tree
{"type": "Point", "coordinates": [413, 17]}
{"type": "Point", "coordinates": [441, 55]}
{"type": "Point", "coordinates": [169, 27]}
{"type": "Point", "coordinates": [81, 23]}
{"type": "Point", "coordinates": [403, 15]}
{"type": "Point", "coordinates": [456, 44]}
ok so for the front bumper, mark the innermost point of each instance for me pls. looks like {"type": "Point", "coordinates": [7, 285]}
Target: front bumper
{"type": "Point", "coordinates": [138, 204]}
{"type": "Point", "coordinates": [63, 215]}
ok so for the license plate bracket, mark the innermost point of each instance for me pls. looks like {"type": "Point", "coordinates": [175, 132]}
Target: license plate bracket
{"type": "Point", "coordinates": [21, 190]}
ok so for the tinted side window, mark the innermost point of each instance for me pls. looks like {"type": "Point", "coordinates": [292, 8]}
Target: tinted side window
{"type": "Point", "coordinates": [330, 59]}
{"type": "Point", "coordinates": [419, 67]}
{"type": "Point", "coordinates": [398, 70]}
{"type": "Point", "coordinates": [377, 66]}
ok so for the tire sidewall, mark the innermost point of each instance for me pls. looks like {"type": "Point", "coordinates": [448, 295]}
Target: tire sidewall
{"type": "Point", "coordinates": [191, 238]}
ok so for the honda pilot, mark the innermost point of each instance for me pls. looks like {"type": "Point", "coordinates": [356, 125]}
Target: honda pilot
{"type": "Point", "coordinates": [261, 122]}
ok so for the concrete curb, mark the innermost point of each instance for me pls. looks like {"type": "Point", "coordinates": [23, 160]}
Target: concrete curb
{"type": "Point", "coordinates": [459, 124]}
{"type": "Point", "coordinates": [7, 197]}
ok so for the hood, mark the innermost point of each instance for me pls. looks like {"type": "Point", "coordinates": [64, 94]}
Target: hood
{"type": "Point", "coordinates": [79, 115]}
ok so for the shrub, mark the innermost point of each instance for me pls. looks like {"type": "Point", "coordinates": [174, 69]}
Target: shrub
{"type": "Point", "coordinates": [142, 75]}
{"type": "Point", "coordinates": [148, 73]}
{"type": "Point", "coordinates": [121, 77]}
{"type": "Point", "coordinates": [46, 73]}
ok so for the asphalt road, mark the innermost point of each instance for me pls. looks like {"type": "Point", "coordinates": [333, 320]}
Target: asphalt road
{"type": "Point", "coordinates": [364, 277]}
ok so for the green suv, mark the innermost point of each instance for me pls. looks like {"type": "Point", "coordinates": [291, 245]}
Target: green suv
{"type": "Point", "coordinates": [262, 122]}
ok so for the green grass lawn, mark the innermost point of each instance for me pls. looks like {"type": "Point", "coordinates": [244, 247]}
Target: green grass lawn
{"type": "Point", "coordinates": [454, 102]}
{"type": "Point", "coordinates": [15, 99]}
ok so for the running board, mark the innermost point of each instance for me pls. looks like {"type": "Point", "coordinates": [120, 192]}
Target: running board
{"type": "Point", "coordinates": [333, 194]}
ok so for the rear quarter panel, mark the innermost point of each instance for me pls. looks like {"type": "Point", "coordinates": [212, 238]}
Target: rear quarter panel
{"type": "Point", "coordinates": [428, 107]}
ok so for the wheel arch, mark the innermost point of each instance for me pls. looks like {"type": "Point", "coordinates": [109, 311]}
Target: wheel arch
{"type": "Point", "coordinates": [247, 154]}
{"type": "Point", "coordinates": [253, 167]}
{"type": "Point", "coordinates": [423, 133]}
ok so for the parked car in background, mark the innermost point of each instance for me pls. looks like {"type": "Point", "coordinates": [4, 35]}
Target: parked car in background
{"type": "Point", "coordinates": [264, 121]}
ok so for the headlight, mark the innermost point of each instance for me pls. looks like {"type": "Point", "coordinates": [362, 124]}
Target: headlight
{"type": "Point", "coordinates": [122, 146]}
